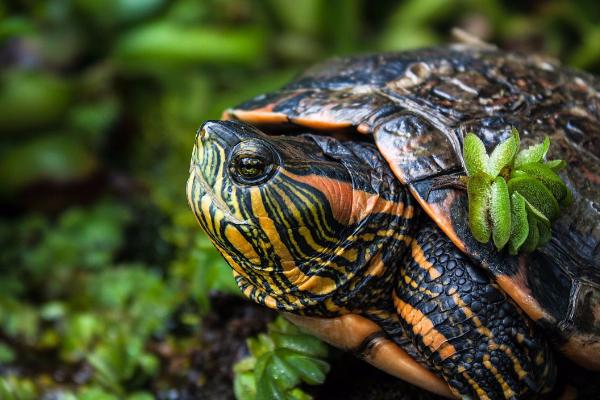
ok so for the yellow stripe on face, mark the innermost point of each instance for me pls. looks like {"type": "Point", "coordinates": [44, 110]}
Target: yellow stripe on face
{"type": "Point", "coordinates": [238, 241]}
{"type": "Point", "coordinates": [302, 229]}
{"type": "Point", "coordinates": [268, 226]}
{"type": "Point", "coordinates": [237, 269]}
{"type": "Point", "coordinates": [316, 207]}
{"type": "Point", "coordinates": [205, 203]}
{"type": "Point", "coordinates": [313, 284]}
{"type": "Point", "coordinates": [286, 238]}
{"type": "Point", "coordinates": [309, 239]}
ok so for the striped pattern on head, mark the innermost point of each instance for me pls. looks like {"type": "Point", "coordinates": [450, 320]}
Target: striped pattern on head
{"type": "Point", "coordinates": [302, 220]}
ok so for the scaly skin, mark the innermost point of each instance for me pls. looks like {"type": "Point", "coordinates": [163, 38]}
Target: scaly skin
{"type": "Point", "coordinates": [322, 228]}
{"type": "Point", "coordinates": [465, 326]}
{"type": "Point", "coordinates": [417, 106]}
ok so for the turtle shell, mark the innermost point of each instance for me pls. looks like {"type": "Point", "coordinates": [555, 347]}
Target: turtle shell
{"type": "Point", "coordinates": [418, 105]}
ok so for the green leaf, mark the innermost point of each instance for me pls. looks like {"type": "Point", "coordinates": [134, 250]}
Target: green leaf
{"type": "Point", "coordinates": [517, 173]}
{"type": "Point", "coordinates": [531, 243]}
{"type": "Point", "coordinates": [281, 359]}
{"type": "Point", "coordinates": [169, 44]}
{"type": "Point", "coordinates": [556, 165]}
{"type": "Point", "coordinates": [476, 158]}
{"type": "Point", "coordinates": [520, 225]}
{"type": "Point", "coordinates": [536, 194]}
{"type": "Point", "coordinates": [312, 371]}
{"type": "Point", "coordinates": [503, 154]}
{"type": "Point", "coordinates": [281, 370]}
{"type": "Point", "coordinates": [478, 191]}
{"type": "Point", "coordinates": [268, 389]}
{"type": "Point", "coordinates": [16, 388]}
{"type": "Point", "coordinates": [261, 365]}
{"type": "Point", "coordinates": [536, 213]}
{"type": "Point", "coordinates": [283, 326]}
{"type": "Point", "coordinates": [244, 386]}
{"type": "Point", "coordinates": [549, 178]}
{"type": "Point", "coordinates": [300, 342]}
{"type": "Point", "coordinates": [532, 154]}
{"type": "Point", "coordinates": [545, 233]}
{"type": "Point", "coordinates": [56, 158]}
{"type": "Point", "coordinates": [245, 364]}
{"type": "Point", "coordinates": [298, 394]}
{"type": "Point", "coordinates": [500, 212]}
{"type": "Point", "coordinates": [140, 396]}
{"type": "Point", "coordinates": [32, 100]}
{"type": "Point", "coordinates": [7, 354]}
{"type": "Point", "coordinates": [260, 345]}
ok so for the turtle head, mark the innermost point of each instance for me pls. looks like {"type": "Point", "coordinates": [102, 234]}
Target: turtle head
{"type": "Point", "coordinates": [296, 217]}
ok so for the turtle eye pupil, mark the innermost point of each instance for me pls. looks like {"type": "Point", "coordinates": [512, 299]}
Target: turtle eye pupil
{"type": "Point", "coordinates": [250, 167]}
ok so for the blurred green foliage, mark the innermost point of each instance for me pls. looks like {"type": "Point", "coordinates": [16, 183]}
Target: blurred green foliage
{"type": "Point", "coordinates": [101, 260]}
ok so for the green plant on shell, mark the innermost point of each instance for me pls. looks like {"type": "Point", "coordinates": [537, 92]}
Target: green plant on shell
{"type": "Point", "coordinates": [514, 196]}
{"type": "Point", "coordinates": [279, 361]}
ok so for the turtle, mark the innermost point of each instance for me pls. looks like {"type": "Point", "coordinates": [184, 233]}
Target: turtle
{"type": "Point", "coordinates": [324, 198]}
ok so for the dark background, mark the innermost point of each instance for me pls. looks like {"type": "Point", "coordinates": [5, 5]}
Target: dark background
{"type": "Point", "coordinates": [105, 279]}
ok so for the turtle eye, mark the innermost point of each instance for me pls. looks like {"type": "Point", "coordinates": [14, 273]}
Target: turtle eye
{"type": "Point", "coordinates": [251, 163]}
{"type": "Point", "coordinates": [249, 167]}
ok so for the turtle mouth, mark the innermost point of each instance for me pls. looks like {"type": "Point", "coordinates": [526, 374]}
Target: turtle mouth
{"type": "Point", "coordinates": [199, 192]}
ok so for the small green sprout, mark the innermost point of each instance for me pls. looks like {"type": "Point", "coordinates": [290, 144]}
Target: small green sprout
{"type": "Point", "coordinates": [514, 196]}
{"type": "Point", "coordinates": [279, 362]}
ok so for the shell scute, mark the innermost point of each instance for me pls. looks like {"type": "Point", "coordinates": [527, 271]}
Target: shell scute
{"type": "Point", "coordinates": [419, 105]}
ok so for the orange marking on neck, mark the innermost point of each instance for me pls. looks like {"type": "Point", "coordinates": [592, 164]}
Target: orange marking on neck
{"type": "Point", "coordinates": [348, 205]}
{"type": "Point", "coordinates": [337, 193]}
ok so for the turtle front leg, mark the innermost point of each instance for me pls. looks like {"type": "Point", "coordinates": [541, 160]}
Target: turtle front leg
{"type": "Point", "coordinates": [466, 328]}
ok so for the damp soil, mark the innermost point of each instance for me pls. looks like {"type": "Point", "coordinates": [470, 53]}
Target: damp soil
{"type": "Point", "coordinates": [208, 373]}
{"type": "Point", "coordinates": [223, 343]}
